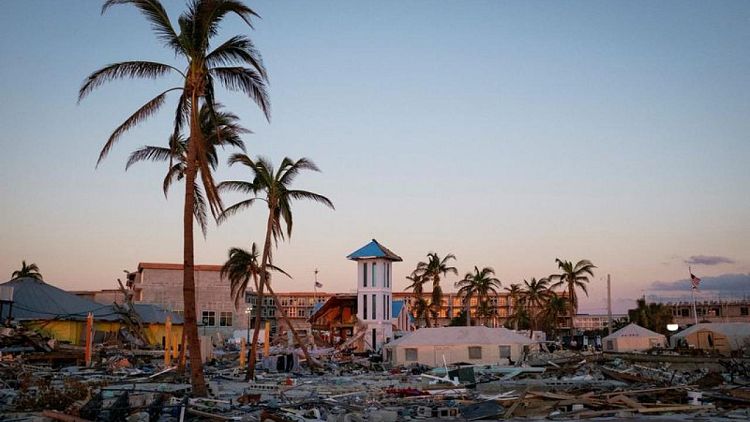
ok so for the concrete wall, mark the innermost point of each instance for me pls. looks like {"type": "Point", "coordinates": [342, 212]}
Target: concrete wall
{"type": "Point", "coordinates": [433, 355]}
{"type": "Point", "coordinates": [163, 287]}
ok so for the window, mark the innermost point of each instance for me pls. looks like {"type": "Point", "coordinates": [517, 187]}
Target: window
{"type": "Point", "coordinates": [475, 352]}
{"type": "Point", "coordinates": [610, 345]}
{"type": "Point", "coordinates": [411, 355]}
{"type": "Point", "coordinates": [301, 313]}
{"type": "Point", "coordinates": [374, 304]}
{"type": "Point", "coordinates": [743, 311]}
{"type": "Point", "coordinates": [364, 306]}
{"type": "Point", "coordinates": [364, 274]}
{"type": "Point", "coordinates": [684, 312]}
{"type": "Point", "coordinates": [272, 312]}
{"type": "Point", "coordinates": [225, 319]}
{"type": "Point", "coordinates": [385, 308]}
{"type": "Point", "coordinates": [505, 352]}
{"type": "Point", "coordinates": [208, 318]}
{"type": "Point", "coordinates": [374, 283]}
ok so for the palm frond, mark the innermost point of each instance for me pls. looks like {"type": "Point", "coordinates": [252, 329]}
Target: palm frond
{"type": "Point", "coordinates": [149, 153]}
{"type": "Point", "coordinates": [155, 13]}
{"type": "Point", "coordinates": [199, 209]}
{"type": "Point", "coordinates": [310, 196]}
{"type": "Point", "coordinates": [131, 69]}
{"type": "Point", "coordinates": [237, 49]}
{"type": "Point", "coordinates": [147, 110]}
{"type": "Point", "coordinates": [236, 186]}
{"type": "Point", "coordinates": [245, 80]}
{"type": "Point", "coordinates": [234, 209]}
{"type": "Point", "coordinates": [176, 172]}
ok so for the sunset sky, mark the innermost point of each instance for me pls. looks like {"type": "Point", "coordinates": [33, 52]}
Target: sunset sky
{"type": "Point", "coordinates": [507, 133]}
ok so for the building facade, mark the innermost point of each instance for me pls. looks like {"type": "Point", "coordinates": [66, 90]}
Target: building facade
{"type": "Point", "coordinates": [715, 310]}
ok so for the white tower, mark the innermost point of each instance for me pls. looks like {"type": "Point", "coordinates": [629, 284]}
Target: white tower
{"type": "Point", "coordinates": [374, 288]}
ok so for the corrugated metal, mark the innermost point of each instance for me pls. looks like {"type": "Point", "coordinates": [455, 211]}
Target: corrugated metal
{"type": "Point", "coordinates": [373, 250]}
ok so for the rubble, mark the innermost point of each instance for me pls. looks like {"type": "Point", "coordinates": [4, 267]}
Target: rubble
{"type": "Point", "coordinates": [43, 380]}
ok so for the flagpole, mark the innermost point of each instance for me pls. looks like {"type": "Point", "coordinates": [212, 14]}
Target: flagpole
{"type": "Point", "coordinates": [315, 288]}
{"type": "Point", "coordinates": [692, 292]}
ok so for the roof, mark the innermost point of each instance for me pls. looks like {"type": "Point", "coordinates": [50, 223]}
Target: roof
{"type": "Point", "coordinates": [154, 314]}
{"type": "Point", "coordinates": [36, 300]}
{"type": "Point", "coordinates": [460, 336]}
{"type": "Point", "coordinates": [633, 330]}
{"type": "Point", "coordinates": [396, 307]}
{"type": "Point", "coordinates": [373, 250]}
{"type": "Point", "coordinates": [729, 329]}
{"type": "Point", "coordinates": [168, 266]}
{"type": "Point", "coordinates": [336, 301]}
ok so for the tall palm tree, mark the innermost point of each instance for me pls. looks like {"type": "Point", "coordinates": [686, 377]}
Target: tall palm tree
{"type": "Point", "coordinates": [274, 188]}
{"type": "Point", "coordinates": [556, 306]}
{"type": "Point", "coordinates": [573, 277]}
{"type": "Point", "coordinates": [535, 295]}
{"type": "Point", "coordinates": [220, 129]}
{"type": "Point", "coordinates": [236, 64]}
{"type": "Point", "coordinates": [433, 269]}
{"type": "Point", "coordinates": [479, 284]}
{"type": "Point", "coordinates": [417, 288]}
{"type": "Point", "coordinates": [31, 271]}
{"type": "Point", "coordinates": [421, 310]}
{"type": "Point", "coordinates": [514, 306]}
{"type": "Point", "coordinates": [242, 266]}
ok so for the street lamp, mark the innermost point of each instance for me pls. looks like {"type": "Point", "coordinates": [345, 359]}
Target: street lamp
{"type": "Point", "coordinates": [249, 312]}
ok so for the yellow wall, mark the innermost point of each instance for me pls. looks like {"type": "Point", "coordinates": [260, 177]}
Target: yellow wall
{"type": "Point", "coordinates": [72, 331]}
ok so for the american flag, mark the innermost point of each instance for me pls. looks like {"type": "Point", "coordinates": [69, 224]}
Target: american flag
{"type": "Point", "coordinates": [318, 285]}
{"type": "Point", "coordinates": [695, 281]}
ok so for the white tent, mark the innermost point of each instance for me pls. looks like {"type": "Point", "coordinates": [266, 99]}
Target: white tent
{"type": "Point", "coordinates": [722, 337]}
{"type": "Point", "coordinates": [633, 338]}
{"type": "Point", "coordinates": [476, 345]}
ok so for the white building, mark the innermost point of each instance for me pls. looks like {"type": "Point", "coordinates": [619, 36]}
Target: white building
{"type": "Point", "coordinates": [374, 292]}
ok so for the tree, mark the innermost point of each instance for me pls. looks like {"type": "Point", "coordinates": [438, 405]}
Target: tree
{"type": "Point", "coordinates": [420, 307]}
{"type": "Point", "coordinates": [535, 296]}
{"type": "Point", "coordinates": [275, 188]}
{"type": "Point", "coordinates": [239, 269]}
{"type": "Point", "coordinates": [31, 271]}
{"type": "Point", "coordinates": [654, 316]}
{"type": "Point", "coordinates": [555, 307]}
{"type": "Point", "coordinates": [571, 278]}
{"type": "Point", "coordinates": [236, 65]}
{"type": "Point", "coordinates": [219, 128]}
{"type": "Point", "coordinates": [515, 306]}
{"type": "Point", "coordinates": [479, 284]}
{"type": "Point", "coordinates": [433, 269]}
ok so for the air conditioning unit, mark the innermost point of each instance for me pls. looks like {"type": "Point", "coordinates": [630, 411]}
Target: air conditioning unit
{"type": "Point", "coordinates": [6, 293]}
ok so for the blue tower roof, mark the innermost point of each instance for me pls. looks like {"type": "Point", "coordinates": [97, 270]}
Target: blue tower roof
{"type": "Point", "coordinates": [373, 250]}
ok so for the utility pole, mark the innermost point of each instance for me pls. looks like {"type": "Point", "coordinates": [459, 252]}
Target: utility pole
{"type": "Point", "coordinates": [609, 305]}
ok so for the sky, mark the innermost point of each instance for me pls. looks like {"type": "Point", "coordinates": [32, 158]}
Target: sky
{"type": "Point", "coordinates": [507, 133]}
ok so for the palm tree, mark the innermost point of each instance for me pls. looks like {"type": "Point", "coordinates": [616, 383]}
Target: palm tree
{"type": "Point", "coordinates": [421, 309]}
{"type": "Point", "coordinates": [417, 287]}
{"type": "Point", "coordinates": [479, 284]}
{"type": "Point", "coordinates": [274, 185]}
{"type": "Point", "coordinates": [239, 269]}
{"type": "Point", "coordinates": [555, 307]}
{"type": "Point", "coordinates": [220, 128]}
{"type": "Point", "coordinates": [535, 295]}
{"type": "Point", "coordinates": [515, 294]}
{"type": "Point", "coordinates": [433, 269]}
{"type": "Point", "coordinates": [236, 64]}
{"type": "Point", "coordinates": [30, 271]}
{"type": "Point", "coordinates": [571, 278]}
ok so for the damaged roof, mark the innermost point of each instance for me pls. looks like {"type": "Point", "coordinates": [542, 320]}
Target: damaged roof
{"type": "Point", "coordinates": [36, 300]}
{"type": "Point", "coordinates": [373, 250]}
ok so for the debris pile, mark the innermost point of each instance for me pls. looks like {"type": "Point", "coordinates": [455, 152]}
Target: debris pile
{"type": "Point", "coordinates": [135, 385]}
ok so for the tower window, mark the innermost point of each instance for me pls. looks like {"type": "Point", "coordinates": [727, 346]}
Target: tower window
{"type": "Point", "coordinates": [374, 283]}
{"type": "Point", "coordinates": [374, 304]}
{"type": "Point", "coordinates": [364, 275]}
{"type": "Point", "coordinates": [364, 306]}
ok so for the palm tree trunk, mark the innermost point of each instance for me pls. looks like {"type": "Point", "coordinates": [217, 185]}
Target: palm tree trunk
{"type": "Point", "coordinates": [468, 311]}
{"type": "Point", "coordinates": [188, 286]}
{"type": "Point", "coordinates": [256, 330]}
